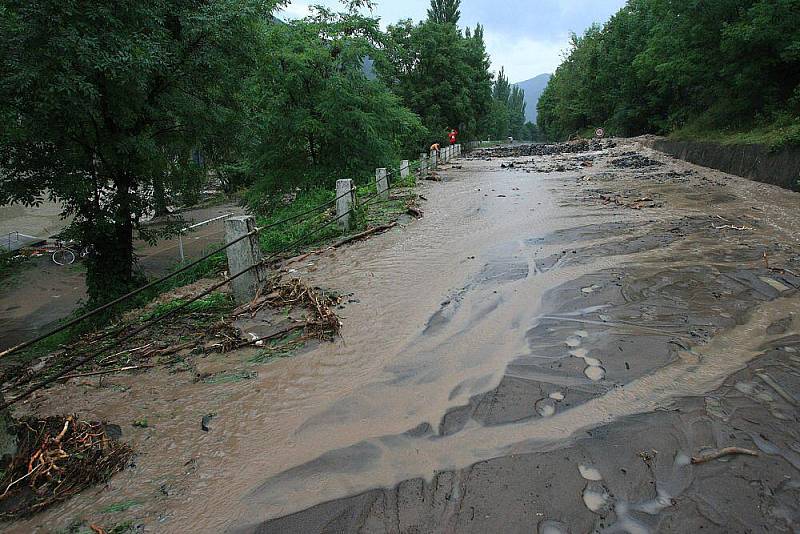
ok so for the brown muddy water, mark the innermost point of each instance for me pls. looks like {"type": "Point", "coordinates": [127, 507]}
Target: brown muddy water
{"type": "Point", "coordinates": [543, 351]}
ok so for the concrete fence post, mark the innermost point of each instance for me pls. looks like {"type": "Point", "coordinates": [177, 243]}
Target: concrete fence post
{"type": "Point", "coordinates": [344, 203]}
{"type": "Point", "coordinates": [404, 168]}
{"type": "Point", "coordinates": [434, 160]}
{"type": "Point", "coordinates": [423, 164]}
{"type": "Point", "coordinates": [244, 254]}
{"type": "Point", "coordinates": [382, 183]}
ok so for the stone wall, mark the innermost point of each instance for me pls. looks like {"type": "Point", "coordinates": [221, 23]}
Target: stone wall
{"type": "Point", "coordinates": [756, 162]}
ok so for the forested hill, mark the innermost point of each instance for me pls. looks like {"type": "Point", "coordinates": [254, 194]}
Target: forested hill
{"type": "Point", "coordinates": [724, 69]}
{"type": "Point", "coordinates": [533, 90]}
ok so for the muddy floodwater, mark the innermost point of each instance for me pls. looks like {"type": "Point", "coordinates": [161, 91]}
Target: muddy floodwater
{"type": "Point", "coordinates": [544, 351]}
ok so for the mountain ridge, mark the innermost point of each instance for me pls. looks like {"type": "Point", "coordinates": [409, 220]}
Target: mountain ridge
{"type": "Point", "coordinates": [533, 90]}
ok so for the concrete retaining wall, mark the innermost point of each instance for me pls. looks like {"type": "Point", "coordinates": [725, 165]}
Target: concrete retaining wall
{"type": "Point", "coordinates": [756, 162]}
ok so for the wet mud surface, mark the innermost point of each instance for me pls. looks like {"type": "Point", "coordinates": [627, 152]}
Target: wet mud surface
{"type": "Point", "coordinates": [543, 352]}
{"type": "Point", "coordinates": [683, 279]}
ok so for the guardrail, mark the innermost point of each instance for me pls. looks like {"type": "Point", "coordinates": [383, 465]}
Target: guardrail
{"type": "Point", "coordinates": [194, 226]}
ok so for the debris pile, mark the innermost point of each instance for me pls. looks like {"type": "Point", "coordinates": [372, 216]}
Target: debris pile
{"type": "Point", "coordinates": [516, 151]}
{"type": "Point", "coordinates": [322, 323]}
{"type": "Point", "coordinates": [634, 160]}
{"type": "Point", "coordinates": [57, 458]}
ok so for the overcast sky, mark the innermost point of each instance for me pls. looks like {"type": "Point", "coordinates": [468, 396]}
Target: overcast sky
{"type": "Point", "coordinates": [527, 37]}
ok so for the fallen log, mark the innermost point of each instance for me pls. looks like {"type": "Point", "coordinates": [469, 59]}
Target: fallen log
{"type": "Point", "coordinates": [727, 451]}
{"type": "Point", "coordinates": [372, 231]}
{"type": "Point", "coordinates": [415, 211]}
{"type": "Point", "coordinates": [344, 241]}
{"type": "Point", "coordinates": [107, 371]}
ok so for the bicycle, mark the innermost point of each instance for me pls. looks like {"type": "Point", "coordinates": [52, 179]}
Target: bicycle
{"type": "Point", "coordinates": [62, 253]}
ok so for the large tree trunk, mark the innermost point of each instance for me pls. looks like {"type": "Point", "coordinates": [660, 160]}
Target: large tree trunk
{"type": "Point", "coordinates": [110, 271]}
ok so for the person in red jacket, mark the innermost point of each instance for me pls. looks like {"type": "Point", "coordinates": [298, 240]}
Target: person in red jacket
{"type": "Point", "coordinates": [452, 136]}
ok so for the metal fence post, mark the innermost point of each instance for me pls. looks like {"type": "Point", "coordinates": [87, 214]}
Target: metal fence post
{"type": "Point", "coordinates": [382, 183]}
{"type": "Point", "coordinates": [344, 203]}
{"type": "Point", "coordinates": [243, 255]}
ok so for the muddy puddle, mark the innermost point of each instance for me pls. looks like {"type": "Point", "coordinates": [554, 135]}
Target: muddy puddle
{"type": "Point", "coordinates": [527, 356]}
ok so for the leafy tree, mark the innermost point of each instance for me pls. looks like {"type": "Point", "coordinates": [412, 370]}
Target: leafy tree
{"type": "Point", "coordinates": [439, 74]}
{"type": "Point", "coordinates": [507, 117]}
{"type": "Point", "coordinates": [319, 118]}
{"type": "Point", "coordinates": [444, 11]}
{"type": "Point", "coordinates": [660, 65]}
{"type": "Point", "coordinates": [101, 101]}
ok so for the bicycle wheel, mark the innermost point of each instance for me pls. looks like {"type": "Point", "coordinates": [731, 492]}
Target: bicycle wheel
{"type": "Point", "coordinates": [63, 256]}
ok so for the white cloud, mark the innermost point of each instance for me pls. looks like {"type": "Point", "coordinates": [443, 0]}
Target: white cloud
{"type": "Point", "coordinates": [523, 57]}
{"type": "Point", "coordinates": [296, 10]}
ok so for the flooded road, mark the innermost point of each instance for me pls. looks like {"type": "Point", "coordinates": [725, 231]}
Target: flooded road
{"type": "Point", "coordinates": [543, 352]}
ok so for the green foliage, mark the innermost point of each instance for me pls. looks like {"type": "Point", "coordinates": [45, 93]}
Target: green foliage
{"type": "Point", "coordinates": [444, 11]}
{"type": "Point", "coordinates": [279, 237]}
{"type": "Point", "coordinates": [440, 74]}
{"type": "Point", "coordinates": [213, 303]}
{"type": "Point", "coordinates": [103, 103]}
{"type": "Point", "coordinates": [507, 117]}
{"type": "Point", "coordinates": [658, 66]}
{"type": "Point", "coordinates": [318, 117]}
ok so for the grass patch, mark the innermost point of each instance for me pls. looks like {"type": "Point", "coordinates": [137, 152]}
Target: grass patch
{"type": "Point", "coordinates": [122, 528]}
{"type": "Point", "coordinates": [778, 135]}
{"type": "Point", "coordinates": [230, 378]}
{"type": "Point", "coordinates": [276, 239]}
{"type": "Point", "coordinates": [119, 507]}
{"type": "Point", "coordinates": [214, 303]}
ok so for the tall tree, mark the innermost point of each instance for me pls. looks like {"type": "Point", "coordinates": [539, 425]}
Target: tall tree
{"type": "Point", "coordinates": [714, 66]}
{"type": "Point", "coordinates": [439, 74]}
{"type": "Point", "coordinates": [102, 100]}
{"type": "Point", "coordinates": [319, 118]}
{"type": "Point", "coordinates": [445, 11]}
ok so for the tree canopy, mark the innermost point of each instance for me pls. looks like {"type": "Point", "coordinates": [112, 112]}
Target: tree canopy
{"type": "Point", "coordinates": [102, 101]}
{"type": "Point", "coordinates": [439, 72]}
{"type": "Point", "coordinates": [444, 11]}
{"type": "Point", "coordinates": [119, 110]}
{"type": "Point", "coordinates": [659, 65]}
{"type": "Point", "coordinates": [317, 116]}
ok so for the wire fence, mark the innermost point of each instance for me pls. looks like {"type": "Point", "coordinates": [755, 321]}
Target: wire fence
{"type": "Point", "coordinates": [83, 359]}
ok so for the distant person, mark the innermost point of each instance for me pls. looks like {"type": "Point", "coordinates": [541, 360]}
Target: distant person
{"type": "Point", "coordinates": [452, 135]}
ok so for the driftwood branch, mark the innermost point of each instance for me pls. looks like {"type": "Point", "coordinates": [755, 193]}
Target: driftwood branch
{"type": "Point", "coordinates": [107, 371]}
{"type": "Point", "coordinates": [344, 241]}
{"type": "Point", "coordinates": [727, 451]}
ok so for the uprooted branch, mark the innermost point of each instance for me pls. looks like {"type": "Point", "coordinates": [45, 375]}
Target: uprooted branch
{"type": "Point", "coordinates": [57, 458]}
{"type": "Point", "coordinates": [323, 322]}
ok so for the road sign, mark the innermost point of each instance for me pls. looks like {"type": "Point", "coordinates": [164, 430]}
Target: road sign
{"type": "Point", "coordinates": [599, 132]}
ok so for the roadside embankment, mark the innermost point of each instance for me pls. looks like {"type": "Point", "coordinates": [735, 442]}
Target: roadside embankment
{"type": "Point", "coordinates": [756, 162]}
